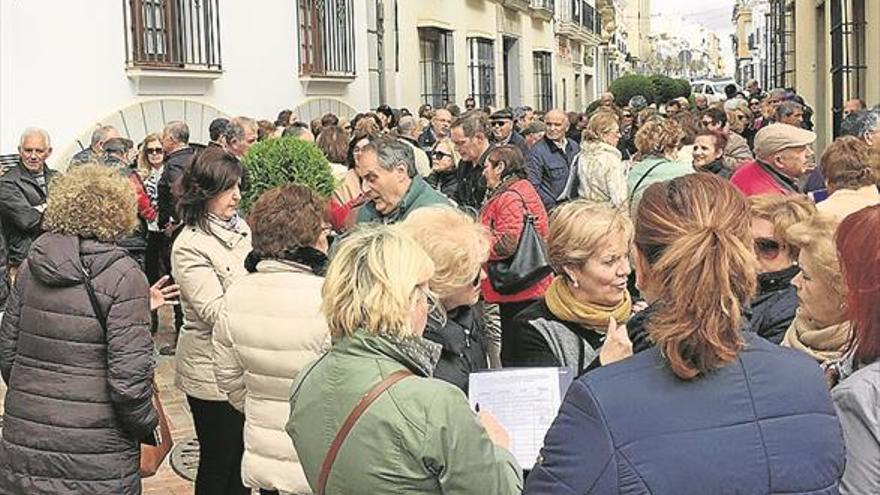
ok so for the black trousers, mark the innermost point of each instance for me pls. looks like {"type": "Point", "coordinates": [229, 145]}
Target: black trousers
{"type": "Point", "coordinates": [508, 312]}
{"type": "Point", "coordinates": [220, 429]}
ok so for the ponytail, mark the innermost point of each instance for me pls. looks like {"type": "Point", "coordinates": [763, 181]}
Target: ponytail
{"type": "Point", "coordinates": [694, 234]}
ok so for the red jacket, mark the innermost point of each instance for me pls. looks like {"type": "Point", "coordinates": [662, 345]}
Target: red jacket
{"type": "Point", "coordinates": [145, 206]}
{"type": "Point", "coordinates": [503, 214]}
{"type": "Point", "coordinates": [752, 179]}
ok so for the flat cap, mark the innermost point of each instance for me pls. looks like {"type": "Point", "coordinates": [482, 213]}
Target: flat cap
{"type": "Point", "coordinates": [533, 128]}
{"type": "Point", "coordinates": [118, 145]}
{"type": "Point", "coordinates": [503, 114]}
{"type": "Point", "coordinates": [777, 137]}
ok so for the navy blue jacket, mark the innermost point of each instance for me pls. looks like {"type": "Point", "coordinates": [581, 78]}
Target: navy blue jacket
{"type": "Point", "coordinates": [763, 424]}
{"type": "Point", "coordinates": [547, 169]}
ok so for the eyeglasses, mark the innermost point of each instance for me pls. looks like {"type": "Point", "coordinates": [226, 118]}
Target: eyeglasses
{"type": "Point", "coordinates": [627, 116]}
{"type": "Point", "coordinates": [154, 151]}
{"type": "Point", "coordinates": [439, 155]}
{"type": "Point", "coordinates": [498, 123]}
{"type": "Point", "coordinates": [767, 248]}
{"type": "Point", "coordinates": [707, 123]}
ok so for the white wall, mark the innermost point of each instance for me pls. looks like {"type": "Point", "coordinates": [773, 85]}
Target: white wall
{"type": "Point", "coordinates": [62, 66]}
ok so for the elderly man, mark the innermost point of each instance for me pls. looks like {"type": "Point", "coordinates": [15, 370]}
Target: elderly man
{"type": "Point", "coordinates": [701, 103]}
{"type": "Point", "coordinates": [215, 132]}
{"type": "Point", "coordinates": [241, 134]}
{"type": "Point", "coordinates": [737, 149]}
{"type": "Point", "coordinates": [532, 134]}
{"type": "Point", "coordinates": [390, 182]}
{"type": "Point", "coordinates": [23, 191]}
{"type": "Point", "coordinates": [470, 135]}
{"type": "Point", "coordinates": [550, 158]}
{"type": "Point", "coordinates": [504, 133]}
{"type": "Point", "coordinates": [175, 142]}
{"type": "Point", "coordinates": [852, 106]}
{"type": "Point", "coordinates": [606, 100]}
{"type": "Point", "coordinates": [95, 151]}
{"type": "Point", "coordinates": [438, 130]}
{"type": "Point", "coordinates": [406, 132]}
{"type": "Point", "coordinates": [783, 156]}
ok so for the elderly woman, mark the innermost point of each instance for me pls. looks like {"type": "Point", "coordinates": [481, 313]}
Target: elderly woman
{"type": "Point", "coordinates": [444, 168]}
{"type": "Point", "coordinates": [256, 359]}
{"type": "Point", "coordinates": [850, 168]}
{"type": "Point", "coordinates": [856, 398]}
{"type": "Point", "coordinates": [820, 327]}
{"type": "Point", "coordinates": [598, 173]}
{"type": "Point", "coordinates": [459, 246]}
{"type": "Point", "coordinates": [708, 153]}
{"type": "Point", "coordinates": [710, 407]}
{"type": "Point", "coordinates": [418, 435]}
{"type": "Point", "coordinates": [207, 255]}
{"type": "Point", "coordinates": [589, 247]}
{"type": "Point", "coordinates": [774, 306]}
{"type": "Point", "coordinates": [80, 383]}
{"type": "Point", "coordinates": [511, 197]}
{"type": "Point", "coordinates": [657, 142]}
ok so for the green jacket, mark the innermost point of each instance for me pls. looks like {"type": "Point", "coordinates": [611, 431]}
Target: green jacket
{"type": "Point", "coordinates": [419, 437]}
{"type": "Point", "coordinates": [650, 170]}
{"type": "Point", "coordinates": [419, 194]}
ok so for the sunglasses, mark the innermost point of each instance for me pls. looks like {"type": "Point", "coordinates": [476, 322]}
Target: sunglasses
{"type": "Point", "coordinates": [767, 248]}
{"type": "Point", "coordinates": [627, 116]}
{"type": "Point", "coordinates": [154, 151]}
{"type": "Point", "coordinates": [498, 123]}
{"type": "Point", "coordinates": [439, 155]}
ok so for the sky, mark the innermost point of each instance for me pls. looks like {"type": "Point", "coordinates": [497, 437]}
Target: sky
{"type": "Point", "coordinates": [714, 14]}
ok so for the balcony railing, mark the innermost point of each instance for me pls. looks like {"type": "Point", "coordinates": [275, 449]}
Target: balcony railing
{"type": "Point", "coordinates": [543, 8]}
{"type": "Point", "coordinates": [577, 16]}
{"type": "Point", "coordinates": [327, 43]}
{"type": "Point", "coordinates": [172, 34]}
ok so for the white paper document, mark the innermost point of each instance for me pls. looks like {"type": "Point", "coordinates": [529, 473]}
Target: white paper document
{"type": "Point", "coordinates": [525, 401]}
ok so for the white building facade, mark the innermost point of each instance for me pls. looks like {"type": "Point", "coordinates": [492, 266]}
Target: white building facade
{"type": "Point", "coordinates": [136, 64]}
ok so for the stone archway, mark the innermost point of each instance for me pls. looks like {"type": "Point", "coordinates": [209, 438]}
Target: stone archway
{"type": "Point", "coordinates": [313, 108]}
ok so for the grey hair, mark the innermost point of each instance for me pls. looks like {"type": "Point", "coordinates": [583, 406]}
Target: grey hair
{"type": "Point", "coordinates": [35, 131]}
{"type": "Point", "coordinates": [177, 131]}
{"type": "Point", "coordinates": [473, 122]}
{"type": "Point", "coordinates": [100, 134]}
{"type": "Point", "coordinates": [392, 152]}
{"type": "Point", "coordinates": [860, 123]}
{"type": "Point", "coordinates": [235, 128]}
{"type": "Point", "coordinates": [406, 124]}
{"type": "Point", "coordinates": [787, 108]}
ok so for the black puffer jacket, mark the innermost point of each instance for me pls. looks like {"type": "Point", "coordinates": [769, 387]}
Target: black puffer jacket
{"type": "Point", "coordinates": [78, 400]}
{"type": "Point", "coordinates": [20, 196]}
{"type": "Point", "coordinates": [446, 182]}
{"type": "Point", "coordinates": [773, 308]}
{"type": "Point", "coordinates": [463, 342]}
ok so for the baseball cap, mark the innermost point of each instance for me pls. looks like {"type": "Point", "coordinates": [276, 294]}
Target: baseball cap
{"type": "Point", "coordinates": [777, 137]}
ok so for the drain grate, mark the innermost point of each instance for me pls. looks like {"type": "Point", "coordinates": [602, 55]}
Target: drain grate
{"type": "Point", "coordinates": [185, 458]}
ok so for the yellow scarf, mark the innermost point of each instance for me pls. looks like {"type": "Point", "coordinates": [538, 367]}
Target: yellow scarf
{"type": "Point", "coordinates": [562, 303]}
{"type": "Point", "coordinates": [823, 344]}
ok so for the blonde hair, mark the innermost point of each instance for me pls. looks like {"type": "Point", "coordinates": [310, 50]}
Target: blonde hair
{"type": "Point", "coordinates": [371, 280]}
{"type": "Point", "coordinates": [91, 201]}
{"type": "Point", "coordinates": [449, 147]}
{"type": "Point", "coordinates": [815, 238]}
{"type": "Point", "coordinates": [694, 234]}
{"type": "Point", "coordinates": [456, 243]}
{"type": "Point", "coordinates": [143, 164]}
{"type": "Point", "coordinates": [600, 123]}
{"type": "Point", "coordinates": [782, 211]}
{"type": "Point", "coordinates": [578, 229]}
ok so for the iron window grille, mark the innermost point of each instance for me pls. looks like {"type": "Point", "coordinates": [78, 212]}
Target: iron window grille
{"type": "Point", "coordinates": [172, 34]}
{"type": "Point", "coordinates": [847, 55]}
{"type": "Point", "coordinates": [481, 71]}
{"type": "Point", "coordinates": [543, 81]}
{"type": "Point", "coordinates": [326, 38]}
{"type": "Point", "coordinates": [437, 66]}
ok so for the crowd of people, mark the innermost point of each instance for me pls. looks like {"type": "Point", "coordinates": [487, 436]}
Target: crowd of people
{"type": "Point", "coordinates": [710, 280]}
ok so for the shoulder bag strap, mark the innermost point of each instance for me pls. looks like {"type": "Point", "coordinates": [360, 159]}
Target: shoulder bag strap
{"type": "Point", "coordinates": [350, 421]}
{"type": "Point", "coordinates": [93, 298]}
{"type": "Point", "coordinates": [642, 179]}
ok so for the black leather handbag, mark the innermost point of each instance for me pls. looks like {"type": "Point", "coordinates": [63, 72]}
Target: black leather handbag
{"type": "Point", "coordinates": [528, 265]}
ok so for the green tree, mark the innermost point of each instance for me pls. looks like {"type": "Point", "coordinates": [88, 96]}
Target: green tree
{"type": "Point", "coordinates": [624, 88]}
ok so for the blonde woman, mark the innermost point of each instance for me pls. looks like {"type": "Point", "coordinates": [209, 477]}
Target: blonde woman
{"type": "Point", "coordinates": [711, 408]}
{"type": "Point", "coordinates": [599, 171]}
{"type": "Point", "coordinates": [444, 168]}
{"type": "Point", "coordinates": [820, 327]}
{"type": "Point", "coordinates": [589, 246]}
{"type": "Point", "coordinates": [419, 435]}
{"type": "Point", "coordinates": [458, 245]}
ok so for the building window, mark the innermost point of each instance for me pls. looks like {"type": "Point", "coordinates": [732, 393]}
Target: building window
{"type": "Point", "coordinates": [437, 66]}
{"type": "Point", "coordinates": [173, 34]}
{"type": "Point", "coordinates": [326, 38]}
{"type": "Point", "coordinates": [781, 49]}
{"type": "Point", "coordinates": [481, 71]}
{"type": "Point", "coordinates": [543, 81]}
{"type": "Point", "coordinates": [847, 55]}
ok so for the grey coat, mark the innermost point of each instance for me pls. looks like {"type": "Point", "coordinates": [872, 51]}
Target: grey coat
{"type": "Point", "coordinates": [857, 401]}
{"type": "Point", "coordinates": [78, 400]}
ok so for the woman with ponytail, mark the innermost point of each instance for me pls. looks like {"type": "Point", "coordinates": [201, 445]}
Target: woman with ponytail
{"type": "Point", "coordinates": [710, 408]}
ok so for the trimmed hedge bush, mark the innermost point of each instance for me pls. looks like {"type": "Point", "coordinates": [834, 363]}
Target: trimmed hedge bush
{"type": "Point", "coordinates": [280, 161]}
{"type": "Point", "coordinates": [624, 88]}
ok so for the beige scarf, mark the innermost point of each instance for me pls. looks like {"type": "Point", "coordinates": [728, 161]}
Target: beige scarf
{"type": "Point", "coordinates": [823, 344]}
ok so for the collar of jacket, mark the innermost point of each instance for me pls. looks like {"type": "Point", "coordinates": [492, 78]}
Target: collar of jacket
{"type": "Point", "coordinates": [229, 238]}
{"type": "Point", "coordinates": [774, 281]}
{"type": "Point", "coordinates": [416, 188]}
{"type": "Point", "coordinates": [554, 148]}
{"type": "Point", "coordinates": [783, 180]}
{"type": "Point", "coordinates": [715, 167]}
{"type": "Point", "coordinates": [416, 353]}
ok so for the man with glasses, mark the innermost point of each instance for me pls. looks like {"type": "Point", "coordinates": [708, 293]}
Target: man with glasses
{"type": "Point", "coordinates": [439, 129]}
{"type": "Point", "coordinates": [23, 191]}
{"type": "Point", "coordinates": [737, 150]}
{"type": "Point", "coordinates": [784, 155]}
{"type": "Point", "coordinates": [504, 133]}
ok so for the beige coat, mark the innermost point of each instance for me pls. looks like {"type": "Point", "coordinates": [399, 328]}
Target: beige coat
{"type": "Point", "coordinates": [270, 329]}
{"type": "Point", "coordinates": [844, 202]}
{"type": "Point", "coordinates": [204, 264]}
